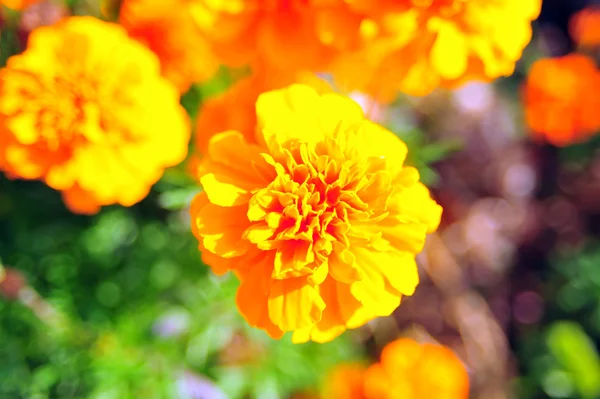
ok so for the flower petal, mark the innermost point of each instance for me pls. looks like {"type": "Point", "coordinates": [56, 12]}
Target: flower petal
{"type": "Point", "coordinates": [288, 115]}
{"type": "Point", "coordinates": [294, 304]}
{"type": "Point", "coordinates": [219, 229]}
{"type": "Point", "coordinates": [253, 296]}
{"type": "Point", "coordinates": [234, 169]}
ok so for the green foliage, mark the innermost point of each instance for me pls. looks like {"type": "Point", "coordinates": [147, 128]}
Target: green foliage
{"type": "Point", "coordinates": [560, 356]}
{"type": "Point", "coordinates": [576, 353]}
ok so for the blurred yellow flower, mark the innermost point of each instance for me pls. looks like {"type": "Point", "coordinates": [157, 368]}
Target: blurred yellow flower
{"type": "Point", "coordinates": [409, 370]}
{"type": "Point", "coordinates": [85, 109]}
{"type": "Point", "coordinates": [18, 4]}
{"type": "Point", "coordinates": [169, 30]}
{"type": "Point", "coordinates": [561, 99]}
{"type": "Point", "coordinates": [414, 46]}
{"type": "Point", "coordinates": [318, 216]}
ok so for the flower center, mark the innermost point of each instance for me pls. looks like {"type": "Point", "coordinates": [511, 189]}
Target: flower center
{"type": "Point", "coordinates": [311, 203]}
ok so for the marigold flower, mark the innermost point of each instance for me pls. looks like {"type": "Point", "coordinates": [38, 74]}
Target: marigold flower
{"type": "Point", "coordinates": [18, 4]}
{"type": "Point", "coordinates": [561, 99]}
{"type": "Point", "coordinates": [169, 30]}
{"type": "Point", "coordinates": [409, 370]}
{"type": "Point", "coordinates": [585, 27]}
{"type": "Point", "coordinates": [345, 381]}
{"type": "Point", "coordinates": [85, 109]}
{"type": "Point", "coordinates": [318, 217]}
{"type": "Point", "coordinates": [415, 46]}
{"type": "Point", "coordinates": [278, 33]}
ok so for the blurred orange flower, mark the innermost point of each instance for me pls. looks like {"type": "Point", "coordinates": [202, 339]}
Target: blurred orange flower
{"type": "Point", "coordinates": [414, 46]}
{"type": "Point", "coordinates": [345, 381]}
{"type": "Point", "coordinates": [409, 370]}
{"type": "Point", "coordinates": [585, 27]}
{"type": "Point", "coordinates": [278, 33]}
{"type": "Point", "coordinates": [18, 4]}
{"type": "Point", "coordinates": [85, 109]}
{"type": "Point", "coordinates": [561, 99]}
{"type": "Point", "coordinates": [318, 216]}
{"type": "Point", "coordinates": [169, 30]}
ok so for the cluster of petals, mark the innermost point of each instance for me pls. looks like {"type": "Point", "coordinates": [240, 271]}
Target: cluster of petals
{"type": "Point", "coordinates": [379, 47]}
{"type": "Point", "coordinates": [18, 4]}
{"type": "Point", "coordinates": [168, 29]}
{"type": "Point", "coordinates": [406, 370]}
{"type": "Point", "coordinates": [415, 46]}
{"type": "Point", "coordinates": [315, 212]}
{"type": "Point", "coordinates": [278, 33]}
{"type": "Point", "coordinates": [561, 99]}
{"type": "Point", "coordinates": [86, 110]}
{"type": "Point", "coordinates": [584, 27]}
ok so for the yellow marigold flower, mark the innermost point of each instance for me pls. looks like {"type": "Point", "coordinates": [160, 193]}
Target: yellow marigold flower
{"type": "Point", "coordinates": [18, 4]}
{"type": "Point", "coordinates": [415, 46]}
{"type": "Point", "coordinates": [409, 370]}
{"type": "Point", "coordinates": [85, 109]}
{"type": "Point", "coordinates": [169, 30]}
{"type": "Point", "coordinates": [279, 33]}
{"type": "Point", "coordinates": [318, 217]}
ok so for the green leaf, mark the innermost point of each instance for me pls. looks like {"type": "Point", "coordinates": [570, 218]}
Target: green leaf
{"type": "Point", "coordinates": [577, 355]}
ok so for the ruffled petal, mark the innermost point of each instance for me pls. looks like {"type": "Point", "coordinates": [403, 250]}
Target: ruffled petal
{"type": "Point", "coordinates": [235, 169]}
{"type": "Point", "coordinates": [219, 229]}
{"type": "Point", "coordinates": [294, 304]}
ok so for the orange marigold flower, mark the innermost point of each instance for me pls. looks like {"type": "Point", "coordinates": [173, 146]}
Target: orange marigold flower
{"type": "Point", "coordinates": [409, 370]}
{"type": "Point", "coordinates": [85, 109]}
{"type": "Point", "coordinates": [279, 33]}
{"type": "Point", "coordinates": [585, 27]}
{"type": "Point", "coordinates": [561, 98]}
{"type": "Point", "coordinates": [18, 4]}
{"type": "Point", "coordinates": [169, 30]}
{"type": "Point", "coordinates": [415, 46]}
{"type": "Point", "coordinates": [345, 381]}
{"type": "Point", "coordinates": [318, 217]}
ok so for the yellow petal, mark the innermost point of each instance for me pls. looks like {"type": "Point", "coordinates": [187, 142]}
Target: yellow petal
{"type": "Point", "coordinates": [232, 170]}
{"type": "Point", "coordinates": [449, 55]}
{"type": "Point", "coordinates": [220, 229]}
{"type": "Point", "coordinates": [288, 114]}
{"type": "Point", "coordinates": [294, 304]}
{"type": "Point", "coordinates": [393, 271]}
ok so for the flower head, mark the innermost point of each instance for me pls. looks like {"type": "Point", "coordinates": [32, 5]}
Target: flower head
{"type": "Point", "coordinates": [85, 109]}
{"type": "Point", "coordinates": [409, 370]}
{"type": "Point", "coordinates": [414, 46]}
{"type": "Point", "coordinates": [169, 30]}
{"type": "Point", "coordinates": [318, 216]}
{"type": "Point", "coordinates": [561, 98]}
{"type": "Point", "coordinates": [584, 27]}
